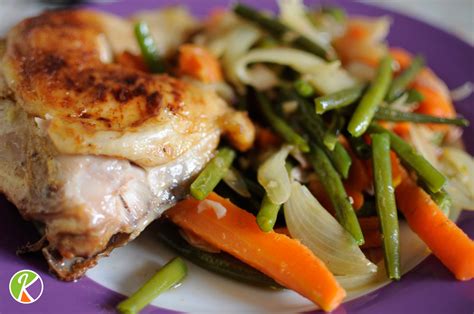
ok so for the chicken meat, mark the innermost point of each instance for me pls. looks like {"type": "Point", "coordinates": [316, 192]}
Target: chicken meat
{"type": "Point", "coordinates": [93, 151]}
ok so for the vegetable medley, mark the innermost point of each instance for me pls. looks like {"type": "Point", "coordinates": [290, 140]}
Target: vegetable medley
{"type": "Point", "coordinates": [352, 140]}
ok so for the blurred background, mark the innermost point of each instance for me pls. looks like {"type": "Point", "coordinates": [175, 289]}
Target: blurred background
{"type": "Point", "coordinates": [456, 16]}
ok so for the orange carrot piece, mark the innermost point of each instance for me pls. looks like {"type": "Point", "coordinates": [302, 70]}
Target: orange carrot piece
{"type": "Point", "coordinates": [435, 104]}
{"type": "Point", "coordinates": [402, 129]}
{"type": "Point", "coordinates": [401, 56]}
{"type": "Point", "coordinates": [356, 195]}
{"type": "Point", "coordinates": [284, 259]}
{"type": "Point", "coordinates": [371, 229]}
{"type": "Point", "coordinates": [198, 62]}
{"type": "Point", "coordinates": [445, 239]}
{"type": "Point", "coordinates": [358, 180]}
{"type": "Point", "coordinates": [283, 230]}
{"type": "Point", "coordinates": [266, 138]}
{"type": "Point", "coordinates": [398, 172]}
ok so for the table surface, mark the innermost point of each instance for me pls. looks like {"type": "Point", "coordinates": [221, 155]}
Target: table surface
{"type": "Point", "coordinates": [456, 16]}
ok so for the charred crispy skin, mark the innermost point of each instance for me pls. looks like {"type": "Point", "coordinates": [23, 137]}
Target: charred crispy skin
{"type": "Point", "coordinates": [92, 150]}
{"type": "Point", "coordinates": [58, 65]}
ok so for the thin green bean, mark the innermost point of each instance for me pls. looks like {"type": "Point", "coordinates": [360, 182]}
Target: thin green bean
{"type": "Point", "coordinates": [214, 171]}
{"type": "Point", "coordinates": [372, 98]}
{"type": "Point", "coordinates": [338, 99]}
{"type": "Point", "coordinates": [314, 127]}
{"type": "Point", "coordinates": [148, 48]}
{"type": "Point", "coordinates": [167, 277]}
{"type": "Point", "coordinates": [433, 179]}
{"type": "Point", "coordinates": [335, 189]}
{"type": "Point", "coordinates": [389, 114]}
{"type": "Point", "coordinates": [280, 125]}
{"type": "Point", "coordinates": [303, 88]}
{"type": "Point", "coordinates": [385, 199]}
{"type": "Point", "coordinates": [267, 215]}
{"type": "Point", "coordinates": [443, 200]}
{"type": "Point", "coordinates": [401, 82]}
{"type": "Point", "coordinates": [279, 30]}
{"type": "Point", "coordinates": [414, 96]}
{"type": "Point", "coordinates": [331, 135]}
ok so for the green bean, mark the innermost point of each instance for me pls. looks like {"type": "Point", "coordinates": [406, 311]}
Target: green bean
{"type": "Point", "coordinates": [280, 125]}
{"type": "Point", "coordinates": [400, 83]}
{"type": "Point", "coordinates": [367, 107]}
{"type": "Point", "coordinates": [414, 96]}
{"type": "Point", "coordinates": [148, 48]}
{"type": "Point", "coordinates": [338, 99]}
{"type": "Point", "coordinates": [167, 277]}
{"type": "Point", "coordinates": [433, 179]}
{"type": "Point", "coordinates": [314, 127]}
{"type": "Point", "coordinates": [443, 200]}
{"type": "Point", "coordinates": [341, 159]}
{"type": "Point", "coordinates": [214, 171]}
{"type": "Point", "coordinates": [303, 88]}
{"type": "Point", "coordinates": [331, 135]}
{"type": "Point", "coordinates": [386, 207]}
{"type": "Point", "coordinates": [389, 114]}
{"type": "Point", "coordinates": [220, 263]}
{"type": "Point", "coordinates": [279, 30]}
{"type": "Point", "coordinates": [267, 215]}
{"type": "Point", "coordinates": [335, 189]}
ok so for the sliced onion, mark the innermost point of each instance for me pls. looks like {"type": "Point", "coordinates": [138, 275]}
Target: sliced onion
{"type": "Point", "coordinates": [325, 77]}
{"type": "Point", "coordinates": [262, 77]}
{"type": "Point", "coordinates": [462, 92]}
{"type": "Point", "coordinates": [422, 139]}
{"type": "Point", "coordinates": [331, 82]}
{"type": "Point", "coordinates": [294, 14]}
{"type": "Point", "coordinates": [316, 228]}
{"type": "Point", "coordinates": [455, 163]}
{"type": "Point", "coordinates": [235, 181]}
{"type": "Point", "coordinates": [274, 178]}
{"type": "Point", "coordinates": [356, 282]}
{"type": "Point", "coordinates": [299, 60]}
{"type": "Point", "coordinates": [459, 167]}
{"type": "Point", "coordinates": [238, 42]}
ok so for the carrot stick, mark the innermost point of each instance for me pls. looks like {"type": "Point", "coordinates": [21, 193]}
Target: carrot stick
{"type": "Point", "coordinates": [235, 231]}
{"type": "Point", "coordinates": [357, 198]}
{"type": "Point", "coordinates": [402, 57]}
{"type": "Point", "coordinates": [371, 229]}
{"type": "Point", "coordinates": [446, 240]}
{"type": "Point", "coordinates": [198, 62]}
{"type": "Point", "coordinates": [435, 103]}
{"type": "Point", "coordinates": [358, 180]}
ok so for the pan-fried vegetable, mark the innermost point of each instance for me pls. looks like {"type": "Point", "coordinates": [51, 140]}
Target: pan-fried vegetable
{"type": "Point", "coordinates": [286, 260]}
{"type": "Point", "coordinates": [166, 278]}
{"type": "Point", "coordinates": [316, 228]}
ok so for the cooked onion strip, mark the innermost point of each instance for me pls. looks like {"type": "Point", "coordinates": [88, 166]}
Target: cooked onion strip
{"type": "Point", "coordinates": [274, 177]}
{"type": "Point", "coordinates": [326, 77]}
{"type": "Point", "coordinates": [316, 228]}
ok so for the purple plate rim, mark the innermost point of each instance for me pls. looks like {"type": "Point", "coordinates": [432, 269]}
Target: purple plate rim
{"type": "Point", "coordinates": [427, 288]}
